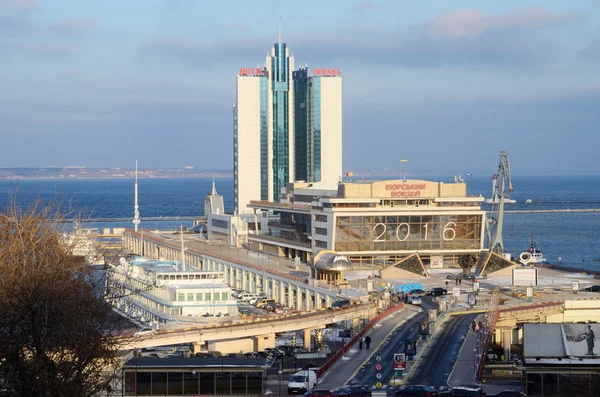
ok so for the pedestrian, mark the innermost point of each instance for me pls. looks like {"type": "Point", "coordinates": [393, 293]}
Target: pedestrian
{"type": "Point", "coordinates": [477, 327]}
{"type": "Point", "coordinates": [360, 342]}
{"type": "Point", "coordinates": [481, 326]}
{"type": "Point", "coordinates": [368, 342]}
{"type": "Point", "coordinates": [456, 280]}
{"type": "Point", "coordinates": [460, 281]}
{"type": "Point", "coordinates": [473, 325]}
{"type": "Point", "coordinates": [446, 283]}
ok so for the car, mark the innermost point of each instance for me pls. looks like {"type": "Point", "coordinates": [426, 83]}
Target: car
{"type": "Point", "coordinates": [146, 331]}
{"type": "Point", "coordinates": [318, 393]}
{"type": "Point", "coordinates": [592, 288]}
{"type": "Point", "coordinates": [415, 300]}
{"type": "Point", "coordinates": [437, 291]}
{"type": "Point", "coordinates": [417, 292]}
{"type": "Point", "coordinates": [416, 390]}
{"type": "Point", "coordinates": [510, 393]}
{"type": "Point", "coordinates": [340, 304]}
{"type": "Point", "coordinates": [467, 391]}
{"type": "Point", "coordinates": [353, 391]}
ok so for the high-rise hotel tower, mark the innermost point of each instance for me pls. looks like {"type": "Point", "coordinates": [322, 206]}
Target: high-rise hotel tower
{"type": "Point", "coordinates": [287, 127]}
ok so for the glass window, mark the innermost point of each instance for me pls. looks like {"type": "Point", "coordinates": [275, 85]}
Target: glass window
{"type": "Point", "coordinates": [190, 383]}
{"type": "Point", "coordinates": [175, 383]}
{"type": "Point", "coordinates": [159, 383]}
{"type": "Point", "coordinates": [199, 297]}
{"type": "Point", "coordinates": [223, 382]}
{"type": "Point", "coordinates": [130, 383]}
{"type": "Point", "coordinates": [216, 296]}
{"type": "Point", "coordinates": [255, 383]}
{"type": "Point", "coordinates": [224, 296]}
{"type": "Point", "coordinates": [207, 383]}
{"type": "Point", "coordinates": [321, 230]}
{"type": "Point", "coordinates": [238, 383]}
{"type": "Point", "coordinates": [207, 296]}
{"type": "Point", "coordinates": [143, 384]}
{"type": "Point", "coordinates": [190, 296]}
{"type": "Point", "coordinates": [180, 297]}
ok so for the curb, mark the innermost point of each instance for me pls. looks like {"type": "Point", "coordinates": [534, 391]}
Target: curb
{"type": "Point", "coordinates": [434, 336]}
{"type": "Point", "coordinates": [375, 350]}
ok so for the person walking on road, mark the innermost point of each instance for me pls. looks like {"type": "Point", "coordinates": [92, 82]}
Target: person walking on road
{"type": "Point", "coordinates": [368, 342]}
{"type": "Point", "coordinates": [360, 342]}
{"type": "Point", "coordinates": [473, 325]}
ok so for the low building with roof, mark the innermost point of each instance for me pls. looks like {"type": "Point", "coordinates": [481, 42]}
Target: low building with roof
{"type": "Point", "coordinates": [184, 376]}
{"type": "Point", "coordinates": [160, 291]}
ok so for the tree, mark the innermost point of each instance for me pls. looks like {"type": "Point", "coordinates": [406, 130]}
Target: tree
{"type": "Point", "coordinates": [58, 334]}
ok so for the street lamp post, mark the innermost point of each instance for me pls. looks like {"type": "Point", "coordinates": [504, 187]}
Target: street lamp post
{"type": "Point", "coordinates": [475, 361]}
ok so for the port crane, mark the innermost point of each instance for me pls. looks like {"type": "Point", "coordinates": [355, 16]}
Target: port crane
{"type": "Point", "coordinates": [502, 188]}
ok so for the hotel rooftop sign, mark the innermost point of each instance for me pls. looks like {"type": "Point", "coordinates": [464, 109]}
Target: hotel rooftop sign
{"type": "Point", "coordinates": [326, 72]}
{"type": "Point", "coordinates": [252, 72]}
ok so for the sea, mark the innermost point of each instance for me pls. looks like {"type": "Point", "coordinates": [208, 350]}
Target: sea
{"type": "Point", "coordinates": [569, 239]}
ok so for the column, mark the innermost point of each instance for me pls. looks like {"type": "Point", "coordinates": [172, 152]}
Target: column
{"type": "Point", "coordinates": [317, 300]}
{"type": "Point", "coordinates": [307, 302]}
{"type": "Point", "coordinates": [307, 339]}
{"type": "Point", "coordinates": [282, 294]}
{"type": "Point", "coordinates": [290, 290]}
{"type": "Point", "coordinates": [299, 303]}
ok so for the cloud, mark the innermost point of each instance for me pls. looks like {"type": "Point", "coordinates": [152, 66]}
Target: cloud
{"type": "Point", "coordinates": [48, 49]}
{"type": "Point", "coordinates": [19, 5]}
{"type": "Point", "coordinates": [457, 38]}
{"type": "Point", "coordinates": [11, 26]}
{"type": "Point", "coordinates": [592, 51]}
{"type": "Point", "coordinates": [473, 23]}
{"type": "Point", "coordinates": [74, 27]}
{"type": "Point", "coordinates": [365, 6]}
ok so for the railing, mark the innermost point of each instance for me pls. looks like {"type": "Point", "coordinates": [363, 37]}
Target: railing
{"type": "Point", "coordinates": [496, 316]}
{"type": "Point", "coordinates": [333, 359]}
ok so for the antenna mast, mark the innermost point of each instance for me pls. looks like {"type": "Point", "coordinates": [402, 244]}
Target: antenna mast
{"type": "Point", "coordinates": [279, 29]}
{"type": "Point", "coordinates": [136, 208]}
{"type": "Point", "coordinates": [182, 249]}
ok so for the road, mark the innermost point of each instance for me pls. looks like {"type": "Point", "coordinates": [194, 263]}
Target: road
{"type": "Point", "coordinates": [393, 344]}
{"type": "Point", "coordinates": [436, 362]}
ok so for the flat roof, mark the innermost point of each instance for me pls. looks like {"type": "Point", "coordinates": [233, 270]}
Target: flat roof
{"type": "Point", "coordinates": [194, 362]}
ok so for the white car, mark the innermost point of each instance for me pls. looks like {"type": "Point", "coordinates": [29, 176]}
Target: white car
{"type": "Point", "coordinates": [144, 332]}
{"type": "Point", "coordinates": [415, 300]}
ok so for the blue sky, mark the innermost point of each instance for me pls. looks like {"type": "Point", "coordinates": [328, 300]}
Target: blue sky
{"type": "Point", "coordinates": [445, 84]}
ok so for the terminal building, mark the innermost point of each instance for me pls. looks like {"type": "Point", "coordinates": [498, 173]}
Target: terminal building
{"type": "Point", "coordinates": [375, 225]}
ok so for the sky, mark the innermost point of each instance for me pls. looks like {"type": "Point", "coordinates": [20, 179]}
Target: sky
{"type": "Point", "coordinates": [444, 84]}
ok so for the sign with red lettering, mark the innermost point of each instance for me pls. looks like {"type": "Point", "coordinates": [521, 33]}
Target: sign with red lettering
{"type": "Point", "coordinates": [326, 72]}
{"type": "Point", "coordinates": [406, 189]}
{"type": "Point", "coordinates": [252, 72]}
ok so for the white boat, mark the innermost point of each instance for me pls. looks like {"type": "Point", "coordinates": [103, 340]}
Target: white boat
{"type": "Point", "coordinates": [533, 255]}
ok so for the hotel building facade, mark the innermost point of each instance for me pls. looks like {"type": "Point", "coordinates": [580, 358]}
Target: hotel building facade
{"type": "Point", "coordinates": [284, 121]}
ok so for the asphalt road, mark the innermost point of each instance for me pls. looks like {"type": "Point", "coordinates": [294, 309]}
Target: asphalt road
{"type": "Point", "coordinates": [367, 375]}
{"type": "Point", "coordinates": [436, 362]}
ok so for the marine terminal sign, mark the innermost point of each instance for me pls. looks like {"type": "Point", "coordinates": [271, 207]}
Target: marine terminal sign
{"type": "Point", "coordinates": [406, 189]}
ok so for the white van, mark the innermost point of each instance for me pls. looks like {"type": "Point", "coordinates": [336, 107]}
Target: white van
{"type": "Point", "coordinates": [247, 296]}
{"type": "Point", "coordinates": [302, 381]}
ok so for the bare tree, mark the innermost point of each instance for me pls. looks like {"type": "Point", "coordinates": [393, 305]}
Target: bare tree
{"type": "Point", "coordinates": [58, 334]}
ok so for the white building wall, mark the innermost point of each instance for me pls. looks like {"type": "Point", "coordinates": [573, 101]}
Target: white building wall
{"type": "Point", "coordinates": [331, 129]}
{"type": "Point", "coordinates": [248, 141]}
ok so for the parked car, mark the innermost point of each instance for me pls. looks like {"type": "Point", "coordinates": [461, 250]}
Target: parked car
{"type": "Point", "coordinates": [340, 304]}
{"type": "Point", "coordinates": [353, 391]}
{"type": "Point", "coordinates": [510, 393]}
{"type": "Point", "coordinates": [318, 393]}
{"type": "Point", "coordinates": [262, 304]}
{"type": "Point", "coordinates": [416, 390]}
{"type": "Point", "coordinates": [415, 300]}
{"type": "Point", "coordinates": [437, 291]}
{"type": "Point", "coordinates": [468, 391]}
{"type": "Point", "coordinates": [144, 332]}
{"type": "Point", "coordinates": [271, 306]}
{"type": "Point", "coordinates": [592, 288]}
